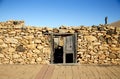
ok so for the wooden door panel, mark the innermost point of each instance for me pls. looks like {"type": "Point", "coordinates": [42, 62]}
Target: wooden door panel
{"type": "Point", "coordinates": [69, 46]}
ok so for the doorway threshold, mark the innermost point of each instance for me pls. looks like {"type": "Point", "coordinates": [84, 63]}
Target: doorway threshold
{"type": "Point", "coordinates": [66, 64]}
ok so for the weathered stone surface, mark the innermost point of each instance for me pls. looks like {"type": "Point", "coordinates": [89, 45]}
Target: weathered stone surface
{"type": "Point", "coordinates": [1, 56]}
{"type": "Point", "coordinates": [16, 56]}
{"type": "Point", "coordinates": [39, 59]}
{"type": "Point", "coordinates": [29, 55]}
{"type": "Point", "coordinates": [62, 30]}
{"type": "Point", "coordinates": [1, 41]}
{"type": "Point", "coordinates": [10, 62]}
{"type": "Point", "coordinates": [55, 30]}
{"type": "Point", "coordinates": [29, 37]}
{"type": "Point", "coordinates": [96, 43]}
{"type": "Point", "coordinates": [20, 61]}
{"type": "Point", "coordinates": [119, 39]}
{"type": "Point", "coordinates": [18, 37]}
{"type": "Point", "coordinates": [12, 32]}
{"type": "Point", "coordinates": [115, 49]}
{"type": "Point", "coordinates": [33, 61]}
{"type": "Point", "coordinates": [6, 62]}
{"type": "Point", "coordinates": [13, 45]}
{"type": "Point", "coordinates": [45, 62]}
{"type": "Point", "coordinates": [0, 49]}
{"type": "Point", "coordinates": [103, 47]}
{"type": "Point", "coordinates": [88, 56]}
{"type": "Point", "coordinates": [4, 45]}
{"type": "Point", "coordinates": [36, 51]}
{"type": "Point", "coordinates": [11, 49]}
{"type": "Point", "coordinates": [111, 31]}
{"type": "Point", "coordinates": [114, 41]}
{"type": "Point", "coordinates": [118, 61]}
{"type": "Point", "coordinates": [101, 28]}
{"type": "Point", "coordinates": [40, 47]}
{"type": "Point", "coordinates": [91, 38]}
{"type": "Point", "coordinates": [20, 48]}
{"type": "Point", "coordinates": [70, 31]}
{"type": "Point", "coordinates": [102, 38]}
{"type": "Point", "coordinates": [114, 62]}
{"type": "Point", "coordinates": [90, 47]}
{"type": "Point", "coordinates": [92, 53]}
{"type": "Point", "coordinates": [108, 40]}
{"type": "Point", "coordinates": [82, 50]}
{"type": "Point", "coordinates": [112, 56]}
{"type": "Point", "coordinates": [119, 55]}
{"type": "Point", "coordinates": [31, 46]}
{"type": "Point", "coordinates": [95, 61]}
{"type": "Point", "coordinates": [11, 40]}
{"type": "Point", "coordinates": [102, 57]}
{"type": "Point", "coordinates": [38, 41]}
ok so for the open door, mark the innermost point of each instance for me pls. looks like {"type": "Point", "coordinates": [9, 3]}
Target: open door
{"type": "Point", "coordinates": [58, 50]}
{"type": "Point", "coordinates": [63, 48]}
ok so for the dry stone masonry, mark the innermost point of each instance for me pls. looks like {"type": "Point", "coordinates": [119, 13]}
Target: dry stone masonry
{"type": "Point", "coordinates": [20, 44]}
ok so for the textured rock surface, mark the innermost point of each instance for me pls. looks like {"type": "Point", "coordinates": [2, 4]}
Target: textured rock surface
{"type": "Point", "coordinates": [20, 44]}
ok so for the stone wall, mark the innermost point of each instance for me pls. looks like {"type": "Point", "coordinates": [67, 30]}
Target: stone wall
{"type": "Point", "coordinates": [20, 44]}
{"type": "Point", "coordinates": [23, 45]}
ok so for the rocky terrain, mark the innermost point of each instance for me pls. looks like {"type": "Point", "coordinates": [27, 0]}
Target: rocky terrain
{"type": "Point", "coordinates": [20, 44]}
{"type": "Point", "coordinates": [116, 24]}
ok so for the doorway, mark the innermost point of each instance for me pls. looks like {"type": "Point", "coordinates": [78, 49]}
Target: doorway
{"type": "Point", "coordinates": [58, 55]}
{"type": "Point", "coordinates": [63, 48]}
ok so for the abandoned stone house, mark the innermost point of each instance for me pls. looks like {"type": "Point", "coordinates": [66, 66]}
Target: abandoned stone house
{"type": "Point", "coordinates": [20, 44]}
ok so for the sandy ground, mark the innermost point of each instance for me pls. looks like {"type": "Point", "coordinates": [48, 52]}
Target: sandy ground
{"type": "Point", "coordinates": [19, 71]}
{"type": "Point", "coordinates": [75, 71]}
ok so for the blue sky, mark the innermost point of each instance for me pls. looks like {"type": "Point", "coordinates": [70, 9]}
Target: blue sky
{"type": "Point", "coordinates": [55, 13]}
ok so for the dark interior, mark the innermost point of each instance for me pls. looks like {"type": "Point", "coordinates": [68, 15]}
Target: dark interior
{"type": "Point", "coordinates": [69, 58]}
{"type": "Point", "coordinates": [58, 55]}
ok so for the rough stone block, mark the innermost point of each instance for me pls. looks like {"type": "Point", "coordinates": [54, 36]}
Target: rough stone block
{"type": "Point", "coordinates": [11, 40]}
{"type": "Point", "coordinates": [115, 49]}
{"type": "Point", "coordinates": [112, 56]}
{"type": "Point", "coordinates": [16, 56]}
{"type": "Point", "coordinates": [1, 55]}
{"type": "Point", "coordinates": [91, 38]}
{"type": "Point", "coordinates": [20, 48]}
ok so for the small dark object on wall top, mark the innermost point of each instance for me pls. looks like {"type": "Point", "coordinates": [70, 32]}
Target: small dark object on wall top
{"type": "Point", "coordinates": [15, 22]}
{"type": "Point", "coordinates": [106, 19]}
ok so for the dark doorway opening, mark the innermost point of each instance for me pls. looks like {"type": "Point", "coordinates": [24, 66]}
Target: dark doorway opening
{"type": "Point", "coordinates": [58, 55]}
{"type": "Point", "coordinates": [63, 48]}
{"type": "Point", "coordinates": [69, 58]}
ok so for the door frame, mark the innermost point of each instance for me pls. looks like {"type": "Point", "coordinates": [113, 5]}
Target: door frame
{"type": "Point", "coordinates": [53, 35]}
